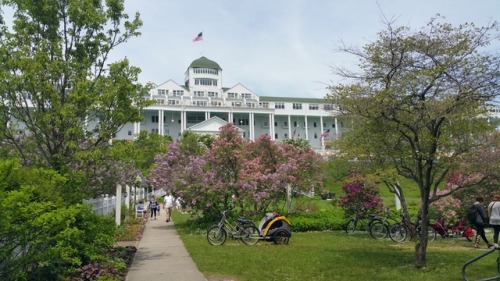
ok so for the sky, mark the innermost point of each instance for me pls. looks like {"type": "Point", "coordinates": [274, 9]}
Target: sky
{"type": "Point", "coordinates": [282, 48]}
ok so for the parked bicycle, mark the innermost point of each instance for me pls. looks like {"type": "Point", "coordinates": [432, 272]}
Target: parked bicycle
{"type": "Point", "coordinates": [242, 229]}
{"type": "Point", "coordinates": [402, 230]}
{"type": "Point", "coordinates": [379, 227]}
{"type": "Point", "coordinates": [360, 223]}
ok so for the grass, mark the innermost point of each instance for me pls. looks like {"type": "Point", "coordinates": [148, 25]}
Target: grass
{"type": "Point", "coordinates": [332, 255]}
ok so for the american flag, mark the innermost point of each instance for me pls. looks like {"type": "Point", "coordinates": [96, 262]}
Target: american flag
{"type": "Point", "coordinates": [325, 134]}
{"type": "Point", "coordinates": [199, 37]}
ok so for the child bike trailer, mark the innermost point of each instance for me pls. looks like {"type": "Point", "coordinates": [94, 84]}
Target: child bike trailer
{"type": "Point", "coordinates": [276, 228]}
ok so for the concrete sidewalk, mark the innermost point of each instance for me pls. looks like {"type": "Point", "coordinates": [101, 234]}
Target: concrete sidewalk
{"type": "Point", "coordinates": [161, 255]}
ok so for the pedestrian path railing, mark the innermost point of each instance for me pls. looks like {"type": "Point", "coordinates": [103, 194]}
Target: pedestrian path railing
{"type": "Point", "coordinates": [464, 275]}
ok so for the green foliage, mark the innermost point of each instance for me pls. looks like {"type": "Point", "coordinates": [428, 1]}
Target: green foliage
{"type": "Point", "coordinates": [325, 219]}
{"type": "Point", "coordinates": [43, 237]}
{"type": "Point", "coordinates": [417, 103]}
{"type": "Point", "coordinates": [58, 82]}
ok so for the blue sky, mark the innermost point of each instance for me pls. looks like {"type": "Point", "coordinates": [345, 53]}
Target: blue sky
{"type": "Point", "coordinates": [275, 47]}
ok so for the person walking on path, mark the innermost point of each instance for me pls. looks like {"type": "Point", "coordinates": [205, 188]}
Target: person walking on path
{"type": "Point", "coordinates": [478, 217]}
{"type": "Point", "coordinates": [153, 206]}
{"type": "Point", "coordinates": [494, 213]}
{"type": "Point", "coordinates": [168, 205]}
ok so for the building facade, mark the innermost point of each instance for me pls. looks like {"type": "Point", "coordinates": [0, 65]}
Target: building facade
{"type": "Point", "coordinates": [202, 102]}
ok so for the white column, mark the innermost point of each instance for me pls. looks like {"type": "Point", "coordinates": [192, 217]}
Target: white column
{"type": "Point", "coordinates": [306, 128]}
{"type": "Point", "coordinates": [160, 122]}
{"type": "Point", "coordinates": [252, 125]}
{"type": "Point", "coordinates": [321, 129]}
{"type": "Point", "coordinates": [289, 127]}
{"type": "Point", "coordinates": [127, 199]}
{"type": "Point", "coordinates": [271, 127]}
{"type": "Point", "coordinates": [272, 124]}
{"type": "Point", "coordinates": [336, 128]}
{"type": "Point", "coordinates": [118, 204]}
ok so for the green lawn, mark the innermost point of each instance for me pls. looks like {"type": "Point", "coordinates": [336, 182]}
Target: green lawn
{"type": "Point", "coordinates": [332, 256]}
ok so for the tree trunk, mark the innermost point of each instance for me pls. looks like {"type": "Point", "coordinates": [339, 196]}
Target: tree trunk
{"type": "Point", "coordinates": [421, 246]}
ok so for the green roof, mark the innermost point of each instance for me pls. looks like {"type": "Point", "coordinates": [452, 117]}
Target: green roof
{"type": "Point", "coordinates": [203, 62]}
{"type": "Point", "coordinates": [288, 99]}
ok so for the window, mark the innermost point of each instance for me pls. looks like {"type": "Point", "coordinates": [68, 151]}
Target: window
{"type": "Point", "coordinates": [160, 101]}
{"type": "Point", "coordinates": [236, 104]}
{"type": "Point", "coordinates": [314, 125]}
{"type": "Point", "coordinates": [162, 92]}
{"type": "Point", "coordinates": [129, 133]}
{"type": "Point", "coordinates": [328, 106]}
{"type": "Point", "coordinates": [154, 119]}
{"type": "Point", "coordinates": [173, 102]}
{"type": "Point", "coordinates": [264, 104]}
{"type": "Point", "coordinates": [250, 104]}
{"type": "Point", "coordinates": [295, 123]}
{"type": "Point", "coordinates": [279, 105]}
{"type": "Point", "coordinates": [199, 93]}
{"type": "Point", "coordinates": [265, 124]}
{"type": "Point", "coordinates": [297, 106]}
{"type": "Point", "coordinates": [213, 94]}
{"type": "Point", "coordinates": [286, 135]}
{"type": "Point", "coordinates": [232, 95]}
{"type": "Point", "coordinates": [155, 131]}
{"type": "Point", "coordinates": [275, 124]}
{"type": "Point", "coordinates": [313, 106]}
{"type": "Point", "coordinates": [200, 103]}
{"type": "Point", "coordinates": [205, 82]}
{"type": "Point", "coordinates": [285, 124]}
{"type": "Point", "coordinates": [315, 135]}
{"type": "Point", "coordinates": [246, 95]}
{"type": "Point", "coordinates": [215, 103]}
{"type": "Point", "coordinates": [276, 136]}
{"type": "Point", "coordinates": [205, 71]}
{"type": "Point", "coordinates": [178, 93]}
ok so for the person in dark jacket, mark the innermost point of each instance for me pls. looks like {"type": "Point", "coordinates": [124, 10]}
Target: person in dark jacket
{"type": "Point", "coordinates": [481, 218]}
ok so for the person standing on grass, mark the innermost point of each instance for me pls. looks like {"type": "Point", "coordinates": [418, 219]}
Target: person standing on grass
{"type": "Point", "coordinates": [153, 207]}
{"type": "Point", "coordinates": [494, 213]}
{"type": "Point", "coordinates": [168, 205]}
{"type": "Point", "coordinates": [478, 217]}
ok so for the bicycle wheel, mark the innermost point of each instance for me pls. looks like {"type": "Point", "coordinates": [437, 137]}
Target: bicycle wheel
{"type": "Point", "coordinates": [378, 230]}
{"type": "Point", "coordinates": [398, 232]}
{"type": "Point", "coordinates": [350, 226]}
{"type": "Point", "coordinates": [250, 234]}
{"type": "Point", "coordinates": [281, 237]}
{"type": "Point", "coordinates": [216, 235]}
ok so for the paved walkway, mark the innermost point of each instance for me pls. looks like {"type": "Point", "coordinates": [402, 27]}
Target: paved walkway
{"type": "Point", "coordinates": [161, 255]}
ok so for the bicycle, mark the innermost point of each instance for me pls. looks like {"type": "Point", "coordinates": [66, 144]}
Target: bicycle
{"type": "Point", "coordinates": [401, 230]}
{"type": "Point", "coordinates": [243, 229]}
{"type": "Point", "coordinates": [379, 228]}
{"type": "Point", "coordinates": [357, 222]}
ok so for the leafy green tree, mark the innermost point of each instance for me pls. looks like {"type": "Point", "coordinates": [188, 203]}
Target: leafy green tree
{"type": "Point", "coordinates": [416, 103]}
{"type": "Point", "coordinates": [44, 237]}
{"type": "Point", "coordinates": [60, 93]}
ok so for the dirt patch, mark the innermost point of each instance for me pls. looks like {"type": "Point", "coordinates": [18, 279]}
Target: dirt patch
{"type": "Point", "coordinates": [217, 277]}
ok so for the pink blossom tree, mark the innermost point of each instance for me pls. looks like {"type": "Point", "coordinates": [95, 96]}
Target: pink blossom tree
{"type": "Point", "coordinates": [255, 172]}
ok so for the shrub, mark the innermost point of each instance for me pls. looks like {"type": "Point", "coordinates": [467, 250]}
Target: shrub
{"type": "Point", "coordinates": [324, 219]}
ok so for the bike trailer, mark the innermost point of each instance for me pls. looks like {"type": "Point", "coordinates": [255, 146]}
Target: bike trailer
{"type": "Point", "coordinates": [276, 228]}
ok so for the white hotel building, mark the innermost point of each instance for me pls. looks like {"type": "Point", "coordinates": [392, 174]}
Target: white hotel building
{"type": "Point", "coordinates": [202, 105]}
